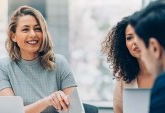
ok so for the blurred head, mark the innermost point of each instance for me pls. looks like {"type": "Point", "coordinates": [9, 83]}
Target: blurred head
{"type": "Point", "coordinates": [121, 51]}
{"type": "Point", "coordinates": [14, 44]}
{"type": "Point", "coordinates": [149, 25]}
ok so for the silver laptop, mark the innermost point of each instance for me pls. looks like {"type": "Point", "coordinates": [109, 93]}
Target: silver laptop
{"type": "Point", "coordinates": [75, 105]}
{"type": "Point", "coordinates": [11, 104]}
{"type": "Point", "coordinates": [136, 100]}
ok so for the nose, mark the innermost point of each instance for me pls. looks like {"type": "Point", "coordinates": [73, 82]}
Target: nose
{"type": "Point", "coordinates": [135, 40]}
{"type": "Point", "coordinates": [32, 34]}
{"type": "Point", "coordinates": [134, 43]}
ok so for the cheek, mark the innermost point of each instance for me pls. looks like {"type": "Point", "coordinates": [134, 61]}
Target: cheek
{"type": "Point", "coordinates": [40, 35]}
{"type": "Point", "coordinates": [145, 58]}
{"type": "Point", "coordinates": [128, 45]}
{"type": "Point", "coordinates": [20, 40]}
{"type": "Point", "coordinates": [20, 43]}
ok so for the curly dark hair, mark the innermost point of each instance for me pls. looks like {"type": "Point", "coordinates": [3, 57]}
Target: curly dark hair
{"type": "Point", "coordinates": [124, 65]}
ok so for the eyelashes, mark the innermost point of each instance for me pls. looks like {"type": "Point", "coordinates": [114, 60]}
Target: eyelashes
{"type": "Point", "coordinates": [129, 37]}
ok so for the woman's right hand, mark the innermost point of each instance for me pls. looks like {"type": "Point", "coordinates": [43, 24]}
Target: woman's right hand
{"type": "Point", "coordinates": [58, 100]}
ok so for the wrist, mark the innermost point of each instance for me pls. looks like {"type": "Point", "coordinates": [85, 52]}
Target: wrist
{"type": "Point", "coordinates": [46, 101]}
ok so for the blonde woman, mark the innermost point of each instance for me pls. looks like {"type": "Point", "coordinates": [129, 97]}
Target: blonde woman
{"type": "Point", "coordinates": [33, 71]}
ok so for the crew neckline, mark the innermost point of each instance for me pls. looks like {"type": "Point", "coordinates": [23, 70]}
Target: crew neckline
{"type": "Point", "coordinates": [29, 62]}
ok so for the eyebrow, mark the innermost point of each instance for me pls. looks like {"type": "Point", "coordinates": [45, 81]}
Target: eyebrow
{"type": "Point", "coordinates": [128, 34]}
{"type": "Point", "coordinates": [28, 25]}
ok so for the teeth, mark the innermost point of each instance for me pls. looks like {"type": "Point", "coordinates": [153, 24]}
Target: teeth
{"type": "Point", "coordinates": [32, 42]}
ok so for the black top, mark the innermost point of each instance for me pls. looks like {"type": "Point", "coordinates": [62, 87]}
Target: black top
{"type": "Point", "coordinates": [157, 104]}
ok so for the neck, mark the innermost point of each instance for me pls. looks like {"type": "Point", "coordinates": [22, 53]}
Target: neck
{"type": "Point", "coordinates": [143, 71]}
{"type": "Point", "coordinates": [144, 79]}
{"type": "Point", "coordinates": [29, 56]}
{"type": "Point", "coordinates": [159, 65]}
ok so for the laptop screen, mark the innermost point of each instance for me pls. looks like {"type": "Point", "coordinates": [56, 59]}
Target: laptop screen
{"type": "Point", "coordinates": [136, 100]}
{"type": "Point", "coordinates": [75, 103]}
{"type": "Point", "coordinates": [11, 104]}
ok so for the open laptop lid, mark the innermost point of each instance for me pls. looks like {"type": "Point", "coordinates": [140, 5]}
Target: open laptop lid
{"type": "Point", "coordinates": [11, 104]}
{"type": "Point", "coordinates": [136, 100]}
{"type": "Point", "coordinates": [75, 105]}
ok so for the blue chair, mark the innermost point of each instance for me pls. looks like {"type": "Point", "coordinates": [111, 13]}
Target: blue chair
{"type": "Point", "coordinates": [90, 108]}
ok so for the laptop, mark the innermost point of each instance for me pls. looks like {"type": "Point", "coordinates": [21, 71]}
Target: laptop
{"type": "Point", "coordinates": [75, 105]}
{"type": "Point", "coordinates": [11, 104]}
{"type": "Point", "coordinates": [136, 100]}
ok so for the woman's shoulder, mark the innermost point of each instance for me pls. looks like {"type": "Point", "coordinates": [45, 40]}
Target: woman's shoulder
{"type": "Point", "coordinates": [5, 62]}
{"type": "Point", "coordinates": [121, 83]}
{"type": "Point", "coordinates": [61, 63]}
{"type": "Point", "coordinates": [132, 84]}
{"type": "Point", "coordinates": [59, 58]}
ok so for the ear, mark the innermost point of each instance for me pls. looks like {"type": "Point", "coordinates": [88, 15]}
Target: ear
{"type": "Point", "coordinates": [13, 37]}
{"type": "Point", "coordinates": [155, 48]}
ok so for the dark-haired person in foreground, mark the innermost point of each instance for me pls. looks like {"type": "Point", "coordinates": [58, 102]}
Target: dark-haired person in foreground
{"type": "Point", "coordinates": [122, 52]}
{"type": "Point", "coordinates": [149, 25]}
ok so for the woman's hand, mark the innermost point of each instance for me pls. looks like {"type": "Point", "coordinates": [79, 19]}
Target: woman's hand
{"type": "Point", "coordinates": [58, 100]}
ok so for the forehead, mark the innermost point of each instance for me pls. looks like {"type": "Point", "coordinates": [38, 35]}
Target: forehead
{"type": "Point", "coordinates": [129, 29]}
{"type": "Point", "coordinates": [27, 20]}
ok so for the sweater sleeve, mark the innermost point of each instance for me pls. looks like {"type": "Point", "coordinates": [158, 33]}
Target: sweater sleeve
{"type": "Point", "coordinates": [65, 74]}
{"type": "Point", "coordinates": [4, 79]}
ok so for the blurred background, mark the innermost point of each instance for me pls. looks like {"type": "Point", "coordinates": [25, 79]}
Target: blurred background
{"type": "Point", "coordinates": [78, 27]}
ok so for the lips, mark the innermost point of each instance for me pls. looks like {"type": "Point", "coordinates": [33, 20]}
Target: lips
{"type": "Point", "coordinates": [32, 42]}
{"type": "Point", "coordinates": [136, 49]}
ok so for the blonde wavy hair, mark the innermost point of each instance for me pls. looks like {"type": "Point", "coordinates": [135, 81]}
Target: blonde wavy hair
{"type": "Point", "coordinates": [46, 50]}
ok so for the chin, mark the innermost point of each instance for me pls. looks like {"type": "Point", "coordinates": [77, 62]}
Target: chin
{"type": "Point", "coordinates": [136, 56]}
{"type": "Point", "coordinates": [33, 50]}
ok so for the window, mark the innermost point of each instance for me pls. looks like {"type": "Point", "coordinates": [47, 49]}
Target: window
{"type": "Point", "coordinates": [3, 26]}
{"type": "Point", "coordinates": [89, 23]}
